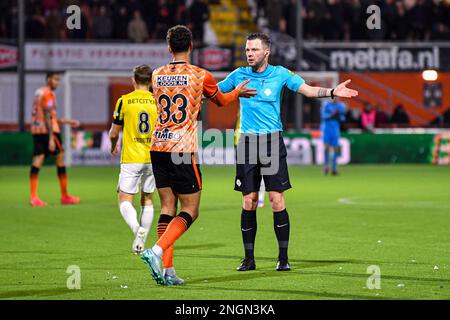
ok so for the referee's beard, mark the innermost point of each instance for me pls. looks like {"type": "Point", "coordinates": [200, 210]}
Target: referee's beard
{"type": "Point", "coordinates": [259, 64]}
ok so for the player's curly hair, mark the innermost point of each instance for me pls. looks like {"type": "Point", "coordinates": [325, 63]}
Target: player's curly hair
{"type": "Point", "coordinates": [142, 74]}
{"type": "Point", "coordinates": [179, 38]}
{"type": "Point", "coordinates": [265, 39]}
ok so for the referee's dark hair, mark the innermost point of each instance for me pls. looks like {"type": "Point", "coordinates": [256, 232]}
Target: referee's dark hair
{"type": "Point", "coordinates": [142, 74]}
{"type": "Point", "coordinates": [265, 39]}
{"type": "Point", "coordinates": [179, 39]}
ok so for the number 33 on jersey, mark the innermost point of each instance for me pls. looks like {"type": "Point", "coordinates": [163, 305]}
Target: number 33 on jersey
{"type": "Point", "coordinates": [178, 88]}
{"type": "Point", "coordinates": [136, 112]}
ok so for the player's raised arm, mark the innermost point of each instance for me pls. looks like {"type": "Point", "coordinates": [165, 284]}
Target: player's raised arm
{"type": "Point", "coordinates": [212, 91]}
{"type": "Point", "coordinates": [318, 92]}
{"type": "Point", "coordinates": [223, 99]}
{"type": "Point", "coordinates": [71, 122]}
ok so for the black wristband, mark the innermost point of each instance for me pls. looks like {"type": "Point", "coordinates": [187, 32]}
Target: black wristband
{"type": "Point", "coordinates": [332, 93]}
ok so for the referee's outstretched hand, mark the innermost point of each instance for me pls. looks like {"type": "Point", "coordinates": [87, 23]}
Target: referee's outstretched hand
{"type": "Point", "coordinates": [244, 91]}
{"type": "Point", "coordinates": [342, 91]}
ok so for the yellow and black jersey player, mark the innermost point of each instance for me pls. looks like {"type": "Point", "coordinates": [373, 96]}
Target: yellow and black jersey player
{"type": "Point", "coordinates": [135, 113]}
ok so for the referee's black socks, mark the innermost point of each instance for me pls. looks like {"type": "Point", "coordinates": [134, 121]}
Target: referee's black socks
{"type": "Point", "coordinates": [248, 229]}
{"type": "Point", "coordinates": [282, 227]}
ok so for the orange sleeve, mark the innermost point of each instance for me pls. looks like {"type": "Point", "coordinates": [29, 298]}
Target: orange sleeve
{"type": "Point", "coordinates": [210, 87]}
{"type": "Point", "coordinates": [211, 91]}
{"type": "Point", "coordinates": [222, 99]}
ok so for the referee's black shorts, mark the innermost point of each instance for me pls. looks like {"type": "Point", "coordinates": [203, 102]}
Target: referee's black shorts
{"type": "Point", "coordinates": [261, 157]}
{"type": "Point", "coordinates": [40, 144]}
{"type": "Point", "coordinates": [182, 178]}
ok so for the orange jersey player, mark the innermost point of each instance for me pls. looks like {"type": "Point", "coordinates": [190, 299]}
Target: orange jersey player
{"type": "Point", "coordinates": [44, 100]}
{"type": "Point", "coordinates": [47, 140]}
{"type": "Point", "coordinates": [178, 88]}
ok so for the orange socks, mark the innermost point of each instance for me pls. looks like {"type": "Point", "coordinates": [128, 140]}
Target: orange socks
{"type": "Point", "coordinates": [33, 181]}
{"type": "Point", "coordinates": [164, 220]}
{"type": "Point", "coordinates": [62, 180]}
{"type": "Point", "coordinates": [174, 230]}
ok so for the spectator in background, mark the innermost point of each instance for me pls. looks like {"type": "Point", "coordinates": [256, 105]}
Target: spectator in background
{"type": "Point", "coordinates": [353, 118]}
{"type": "Point", "coordinates": [49, 5]}
{"type": "Point", "coordinates": [135, 5]}
{"type": "Point", "coordinates": [102, 24]}
{"type": "Point", "coordinates": [137, 29]}
{"type": "Point", "coordinates": [402, 24]}
{"type": "Point", "coordinates": [180, 12]}
{"type": "Point", "coordinates": [368, 118]}
{"type": "Point", "coordinates": [289, 18]}
{"type": "Point", "coordinates": [381, 117]}
{"type": "Point", "coordinates": [120, 26]}
{"type": "Point", "coordinates": [56, 28]}
{"type": "Point", "coordinates": [35, 25]}
{"type": "Point", "coordinates": [307, 115]}
{"type": "Point", "coordinates": [421, 19]}
{"type": "Point", "coordinates": [400, 117]}
{"type": "Point", "coordinates": [390, 15]}
{"type": "Point", "coordinates": [441, 21]}
{"type": "Point", "coordinates": [150, 8]}
{"type": "Point", "coordinates": [274, 14]}
{"type": "Point", "coordinates": [164, 20]}
{"type": "Point", "coordinates": [346, 20]}
{"type": "Point", "coordinates": [318, 16]}
{"type": "Point", "coordinates": [4, 8]}
{"type": "Point", "coordinates": [199, 14]}
{"type": "Point", "coordinates": [12, 22]}
{"type": "Point", "coordinates": [335, 21]}
{"type": "Point", "coordinates": [322, 19]}
{"type": "Point", "coordinates": [356, 14]}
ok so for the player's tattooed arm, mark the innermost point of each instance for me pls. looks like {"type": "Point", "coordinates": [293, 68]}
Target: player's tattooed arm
{"type": "Point", "coordinates": [314, 92]}
{"type": "Point", "coordinates": [48, 124]}
{"type": "Point", "coordinates": [341, 90]}
{"type": "Point", "coordinates": [322, 93]}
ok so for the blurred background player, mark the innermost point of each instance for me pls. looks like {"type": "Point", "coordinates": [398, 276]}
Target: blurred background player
{"type": "Point", "coordinates": [332, 115]}
{"type": "Point", "coordinates": [135, 112]}
{"type": "Point", "coordinates": [261, 124]}
{"type": "Point", "coordinates": [47, 140]}
{"type": "Point", "coordinates": [178, 88]}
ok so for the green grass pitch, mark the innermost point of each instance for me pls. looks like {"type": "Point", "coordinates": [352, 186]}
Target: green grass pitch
{"type": "Point", "coordinates": [394, 217]}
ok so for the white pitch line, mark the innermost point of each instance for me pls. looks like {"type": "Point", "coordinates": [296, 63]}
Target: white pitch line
{"type": "Point", "coordinates": [410, 204]}
{"type": "Point", "coordinates": [346, 201]}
